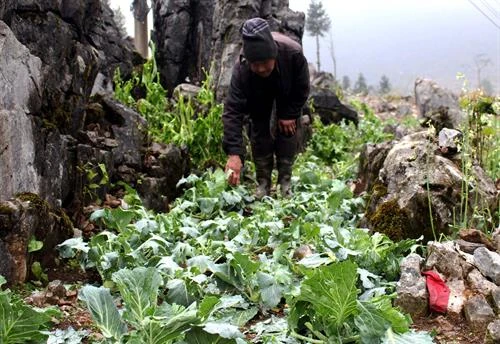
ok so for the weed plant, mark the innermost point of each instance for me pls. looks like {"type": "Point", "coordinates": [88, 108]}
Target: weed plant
{"type": "Point", "coordinates": [480, 146]}
{"type": "Point", "coordinates": [195, 123]}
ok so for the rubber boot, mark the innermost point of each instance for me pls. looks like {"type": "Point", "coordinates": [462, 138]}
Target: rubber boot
{"type": "Point", "coordinates": [285, 176]}
{"type": "Point", "coordinates": [263, 170]}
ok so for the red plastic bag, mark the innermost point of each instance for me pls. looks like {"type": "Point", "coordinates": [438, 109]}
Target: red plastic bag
{"type": "Point", "coordinates": [439, 293]}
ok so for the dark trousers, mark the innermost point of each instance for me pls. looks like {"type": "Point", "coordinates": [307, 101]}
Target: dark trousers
{"type": "Point", "coordinates": [263, 143]}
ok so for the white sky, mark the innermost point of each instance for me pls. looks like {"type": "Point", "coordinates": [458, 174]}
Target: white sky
{"type": "Point", "coordinates": [403, 39]}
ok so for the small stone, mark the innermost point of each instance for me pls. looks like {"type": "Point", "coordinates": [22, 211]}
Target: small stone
{"type": "Point", "coordinates": [302, 251]}
{"type": "Point", "coordinates": [478, 283]}
{"type": "Point", "coordinates": [496, 239]}
{"type": "Point", "coordinates": [449, 140]}
{"type": "Point", "coordinates": [476, 236]}
{"type": "Point", "coordinates": [488, 263]}
{"type": "Point", "coordinates": [478, 312]}
{"type": "Point", "coordinates": [37, 299]}
{"type": "Point", "coordinates": [57, 288]}
{"type": "Point", "coordinates": [467, 246]}
{"type": "Point", "coordinates": [495, 296]}
{"type": "Point", "coordinates": [493, 333]}
{"type": "Point", "coordinates": [445, 259]}
{"type": "Point", "coordinates": [457, 297]}
{"type": "Point", "coordinates": [411, 287]}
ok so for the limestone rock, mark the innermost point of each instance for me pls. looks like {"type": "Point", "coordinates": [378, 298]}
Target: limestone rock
{"type": "Point", "coordinates": [414, 176]}
{"type": "Point", "coordinates": [437, 105]}
{"type": "Point", "coordinates": [478, 312]}
{"type": "Point", "coordinates": [411, 287]}
{"type": "Point", "coordinates": [330, 108]}
{"type": "Point", "coordinates": [488, 263]}
{"type": "Point", "coordinates": [478, 283]}
{"type": "Point", "coordinates": [493, 332]}
{"type": "Point", "coordinates": [457, 296]}
{"type": "Point", "coordinates": [444, 258]}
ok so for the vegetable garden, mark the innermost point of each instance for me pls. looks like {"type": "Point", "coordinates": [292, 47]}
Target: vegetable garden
{"type": "Point", "coordinates": [220, 267]}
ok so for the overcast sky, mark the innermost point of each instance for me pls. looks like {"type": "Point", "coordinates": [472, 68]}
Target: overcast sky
{"type": "Point", "coordinates": [403, 39]}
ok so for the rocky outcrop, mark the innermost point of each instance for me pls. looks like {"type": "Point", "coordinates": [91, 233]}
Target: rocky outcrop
{"type": "Point", "coordinates": [22, 220]}
{"type": "Point", "coordinates": [329, 108]}
{"type": "Point", "coordinates": [437, 106]}
{"type": "Point", "coordinates": [55, 55]}
{"type": "Point", "coordinates": [189, 35]}
{"type": "Point", "coordinates": [415, 178]}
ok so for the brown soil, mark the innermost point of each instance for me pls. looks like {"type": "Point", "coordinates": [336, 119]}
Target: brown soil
{"type": "Point", "coordinates": [449, 330]}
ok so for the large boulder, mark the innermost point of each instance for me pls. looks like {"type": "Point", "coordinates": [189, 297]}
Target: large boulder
{"type": "Point", "coordinates": [437, 105]}
{"type": "Point", "coordinates": [190, 35]}
{"type": "Point", "coordinates": [415, 181]}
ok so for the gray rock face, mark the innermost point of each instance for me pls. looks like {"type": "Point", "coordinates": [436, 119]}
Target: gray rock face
{"type": "Point", "coordinates": [21, 219]}
{"type": "Point", "coordinates": [414, 176]}
{"type": "Point", "coordinates": [20, 95]}
{"type": "Point", "coordinates": [190, 34]}
{"type": "Point", "coordinates": [411, 288]}
{"type": "Point", "coordinates": [478, 312]}
{"type": "Point", "coordinates": [488, 263]}
{"type": "Point", "coordinates": [437, 105]}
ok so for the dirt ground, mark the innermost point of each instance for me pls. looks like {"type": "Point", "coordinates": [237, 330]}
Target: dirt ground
{"type": "Point", "coordinates": [449, 330]}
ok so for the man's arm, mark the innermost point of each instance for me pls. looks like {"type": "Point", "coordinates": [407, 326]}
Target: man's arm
{"type": "Point", "coordinates": [234, 109]}
{"type": "Point", "coordinates": [300, 87]}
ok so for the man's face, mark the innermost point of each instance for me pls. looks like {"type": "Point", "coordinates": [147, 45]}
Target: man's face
{"type": "Point", "coordinates": [263, 68]}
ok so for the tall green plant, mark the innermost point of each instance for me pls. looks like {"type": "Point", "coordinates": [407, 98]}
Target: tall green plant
{"type": "Point", "coordinates": [192, 122]}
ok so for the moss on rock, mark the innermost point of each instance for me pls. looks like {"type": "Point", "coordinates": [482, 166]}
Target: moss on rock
{"type": "Point", "coordinates": [391, 220]}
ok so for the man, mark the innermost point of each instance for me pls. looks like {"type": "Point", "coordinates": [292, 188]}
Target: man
{"type": "Point", "coordinates": [270, 83]}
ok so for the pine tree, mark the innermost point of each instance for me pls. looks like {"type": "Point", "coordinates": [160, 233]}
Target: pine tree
{"type": "Point", "coordinates": [360, 85]}
{"type": "Point", "coordinates": [385, 85]}
{"type": "Point", "coordinates": [346, 83]}
{"type": "Point", "coordinates": [317, 23]}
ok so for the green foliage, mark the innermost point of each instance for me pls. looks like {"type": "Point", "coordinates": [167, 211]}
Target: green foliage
{"type": "Point", "coordinates": [339, 145]}
{"type": "Point", "coordinates": [216, 244]}
{"type": "Point", "coordinates": [483, 131]}
{"type": "Point", "coordinates": [328, 305]}
{"type": "Point", "coordinates": [195, 123]}
{"type": "Point", "coordinates": [318, 21]}
{"type": "Point", "coordinates": [20, 323]}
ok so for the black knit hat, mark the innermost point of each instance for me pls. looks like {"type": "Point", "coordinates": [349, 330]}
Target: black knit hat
{"type": "Point", "coordinates": [258, 43]}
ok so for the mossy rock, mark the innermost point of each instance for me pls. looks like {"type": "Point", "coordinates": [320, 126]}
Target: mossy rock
{"type": "Point", "coordinates": [391, 220]}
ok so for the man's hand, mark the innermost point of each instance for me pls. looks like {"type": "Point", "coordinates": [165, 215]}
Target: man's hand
{"type": "Point", "coordinates": [233, 166]}
{"type": "Point", "coordinates": [288, 126]}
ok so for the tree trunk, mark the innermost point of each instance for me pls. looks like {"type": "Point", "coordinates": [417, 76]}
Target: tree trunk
{"type": "Point", "coordinates": [141, 37]}
{"type": "Point", "coordinates": [332, 53]}
{"type": "Point", "coordinates": [141, 9]}
{"type": "Point", "coordinates": [317, 54]}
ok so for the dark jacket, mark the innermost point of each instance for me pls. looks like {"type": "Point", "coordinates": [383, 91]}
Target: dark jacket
{"type": "Point", "coordinates": [292, 90]}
